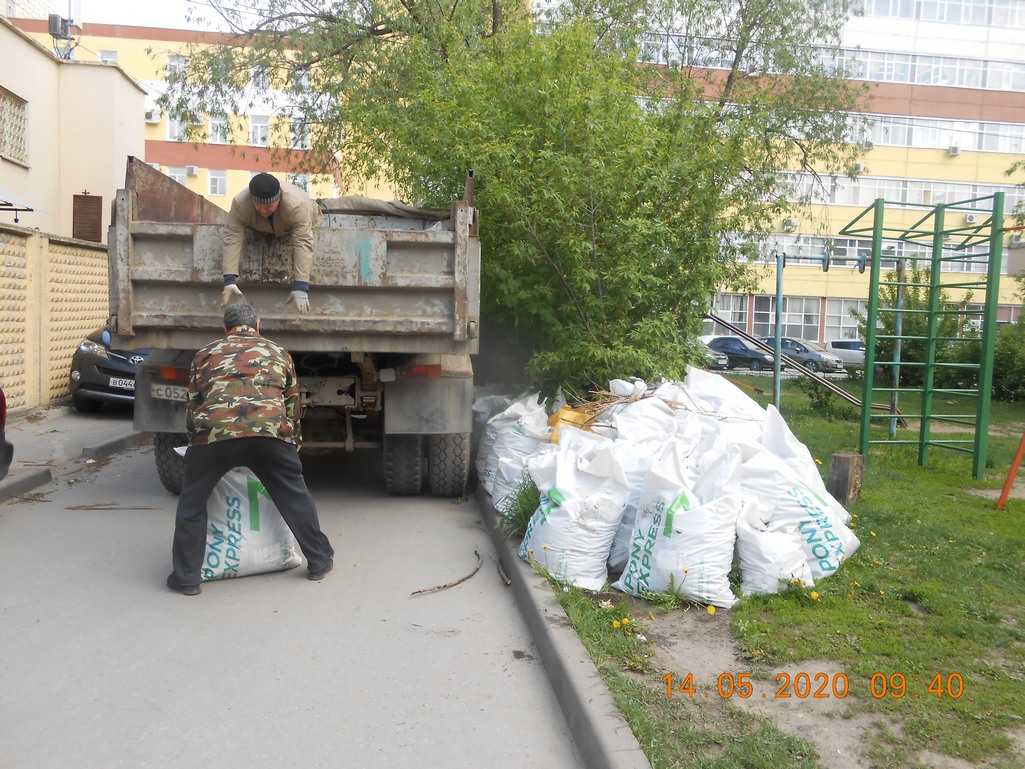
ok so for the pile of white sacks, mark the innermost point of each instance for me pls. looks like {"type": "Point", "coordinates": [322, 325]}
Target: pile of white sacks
{"type": "Point", "coordinates": [667, 488]}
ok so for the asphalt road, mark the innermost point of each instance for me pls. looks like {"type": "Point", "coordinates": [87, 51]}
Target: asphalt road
{"type": "Point", "coordinates": [103, 666]}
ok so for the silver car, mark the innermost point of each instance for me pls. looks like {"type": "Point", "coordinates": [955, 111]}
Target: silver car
{"type": "Point", "coordinates": [811, 355]}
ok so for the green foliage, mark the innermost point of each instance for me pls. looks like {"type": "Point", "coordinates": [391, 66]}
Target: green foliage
{"type": "Point", "coordinates": [1009, 362]}
{"type": "Point", "coordinates": [826, 403]}
{"type": "Point", "coordinates": [611, 193]}
{"type": "Point", "coordinates": [516, 511]}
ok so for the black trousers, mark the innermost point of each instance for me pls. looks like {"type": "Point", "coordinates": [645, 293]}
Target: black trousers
{"type": "Point", "coordinates": [276, 463]}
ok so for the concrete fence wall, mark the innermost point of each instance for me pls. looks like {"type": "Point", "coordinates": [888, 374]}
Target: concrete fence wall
{"type": "Point", "coordinates": [53, 291]}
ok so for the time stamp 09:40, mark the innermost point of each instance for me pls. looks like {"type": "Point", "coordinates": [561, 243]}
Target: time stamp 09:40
{"type": "Point", "coordinates": [821, 686]}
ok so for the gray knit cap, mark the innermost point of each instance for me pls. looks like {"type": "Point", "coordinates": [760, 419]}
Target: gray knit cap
{"type": "Point", "coordinates": [265, 189]}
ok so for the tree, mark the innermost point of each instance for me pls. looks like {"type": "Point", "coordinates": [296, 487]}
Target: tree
{"type": "Point", "coordinates": [616, 196]}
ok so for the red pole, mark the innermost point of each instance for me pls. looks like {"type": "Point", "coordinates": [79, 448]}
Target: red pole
{"type": "Point", "coordinates": [1012, 473]}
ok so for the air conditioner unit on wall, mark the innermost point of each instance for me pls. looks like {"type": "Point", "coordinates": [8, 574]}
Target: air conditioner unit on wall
{"type": "Point", "coordinates": [789, 225]}
{"type": "Point", "coordinates": [971, 218]}
{"type": "Point", "coordinates": [857, 168]}
{"type": "Point", "coordinates": [152, 116]}
{"type": "Point", "coordinates": [192, 170]}
{"type": "Point", "coordinates": [1017, 240]}
{"type": "Point", "coordinates": [866, 144]}
{"type": "Point", "coordinates": [953, 150]}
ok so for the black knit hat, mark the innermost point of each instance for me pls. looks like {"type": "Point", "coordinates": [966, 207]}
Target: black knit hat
{"type": "Point", "coordinates": [265, 189]}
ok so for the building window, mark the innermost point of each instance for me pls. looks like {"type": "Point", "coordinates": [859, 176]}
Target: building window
{"type": "Point", "coordinates": [218, 130]}
{"type": "Point", "coordinates": [175, 131]}
{"type": "Point", "coordinates": [108, 57]}
{"type": "Point", "coordinates": [259, 130]}
{"type": "Point", "coordinates": [175, 64]}
{"type": "Point", "coordinates": [13, 127]}
{"type": "Point", "coordinates": [260, 77]}
{"type": "Point", "coordinates": [842, 317]}
{"type": "Point", "coordinates": [178, 174]}
{"type": "Point", "coordinates": [300, 135]}
{"type": "Point", "coordinates": [302, 181]}
{"type": "Point", "coordinates": [218, 183]}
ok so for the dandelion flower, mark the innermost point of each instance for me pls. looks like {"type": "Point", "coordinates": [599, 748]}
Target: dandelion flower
{"type": "Point", "coordinates": [882, 592]}
{"type": "Point", "coordinates": [616, 624]}
{"type": "Point", "coordinates": [869, 531]}
{"type": "Point", "coordinates": [650, 615]}
{"type": "Point", "coordinates": [626, 620]}
{"type": "Point", "coordinates": [814, 595]}
{"type": "Point", "coordinates": [857, 584]}
{"type": "Point", "coordinates": [818, 461]}
{"type": "Point", "coordinates": [711, 610]}
{"type": "Point", "coordinates": [850, 596]}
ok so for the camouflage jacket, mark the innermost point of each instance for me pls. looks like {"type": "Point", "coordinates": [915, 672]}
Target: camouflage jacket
{"type": "Point", "coordinates": [243, 386]}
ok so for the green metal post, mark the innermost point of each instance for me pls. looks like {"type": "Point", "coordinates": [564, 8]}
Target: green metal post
{"type": "Point", "coordinates": [989, 334]}
{"type": "Point", "coordinates": [929, 372]}
{"type": "Point", "coordinates": [870, 326]}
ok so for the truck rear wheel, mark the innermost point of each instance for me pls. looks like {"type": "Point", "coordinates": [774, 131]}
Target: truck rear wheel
{"type": "Point", "coordinates": [403, 463]}
{"type": "Point", "coordinates": [170, 466]}
{"type": "Point", "coordinates": [448, 463]}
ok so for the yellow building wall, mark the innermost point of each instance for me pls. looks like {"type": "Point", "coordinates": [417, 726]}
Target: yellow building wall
{"type": "Point", "coordinates": [53, 292]}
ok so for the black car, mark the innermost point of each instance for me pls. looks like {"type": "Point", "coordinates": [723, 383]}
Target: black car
{"type": "Point", "coordinates": [6, 449]}
{"type": "Point", "coordinates": [715, 360]}
{"type": "Point", "coordinates": [742, 354]}
{"type": "Point", "coordinates": [101, 375]}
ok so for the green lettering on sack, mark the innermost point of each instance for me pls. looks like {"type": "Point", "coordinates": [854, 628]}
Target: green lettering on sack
{"type": "Point", "coordinates": [255, 489]}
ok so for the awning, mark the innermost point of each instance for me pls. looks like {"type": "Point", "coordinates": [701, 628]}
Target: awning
{"type": "Point", "coordinates": [11, 202]}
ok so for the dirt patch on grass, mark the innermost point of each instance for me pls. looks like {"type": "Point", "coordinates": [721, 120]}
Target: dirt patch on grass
{"type": "Point", "coordinates": [693, 642]}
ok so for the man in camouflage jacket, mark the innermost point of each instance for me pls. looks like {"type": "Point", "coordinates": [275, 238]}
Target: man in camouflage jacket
{"type": "Point", "coordinates": [243, 411]}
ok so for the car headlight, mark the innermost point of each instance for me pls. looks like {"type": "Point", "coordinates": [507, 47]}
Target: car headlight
{"type": "Point", "coordinates": [92, 348]}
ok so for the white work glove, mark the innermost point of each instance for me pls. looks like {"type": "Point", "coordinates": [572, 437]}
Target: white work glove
{"type": "Point", "coordinates": [231, 293]}
{"type": "Point", "coordinates": [301, 299]}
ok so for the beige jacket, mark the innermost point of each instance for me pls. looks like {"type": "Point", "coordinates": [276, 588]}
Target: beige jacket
{"type": "Point", "coordinates": [295, 217]}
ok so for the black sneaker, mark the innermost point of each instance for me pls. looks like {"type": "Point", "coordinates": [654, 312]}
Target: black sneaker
{"type": "Point", "coordinates": [316, 576]}
{"type": "Point", "coordinates": [183, 589]}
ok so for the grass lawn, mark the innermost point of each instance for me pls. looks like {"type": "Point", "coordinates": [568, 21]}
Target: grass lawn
{"type": "Point", "coordinates": [927, 619]}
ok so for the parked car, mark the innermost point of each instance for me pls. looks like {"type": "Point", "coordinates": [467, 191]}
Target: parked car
{"type": "Point", "coordinates": [850, 351]}
{"type": "Point", "coordinates": [6, 449]}
{"type": "Point", "coordinates": [742, 354]}
{"type": "Point", "coordinates": [101, 375]}
{"type": "Point", "coordinates": [811, 355]}
{"type": "Point", "coordinates": [715, 360]}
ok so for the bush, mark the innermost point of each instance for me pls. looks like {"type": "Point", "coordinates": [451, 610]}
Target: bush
{"type": "Point", "coordinates": [1009, 363]}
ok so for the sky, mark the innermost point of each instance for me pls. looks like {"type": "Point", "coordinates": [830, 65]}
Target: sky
{"type": "Point", "coordinates": [167, 14]}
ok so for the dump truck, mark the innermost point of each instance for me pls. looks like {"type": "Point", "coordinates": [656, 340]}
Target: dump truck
{"type": "Point", "coordinates": [384, 356]}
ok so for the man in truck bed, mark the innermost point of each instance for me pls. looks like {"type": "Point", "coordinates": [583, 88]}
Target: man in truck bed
{"type": "Point", "coordinates": [281, 210]}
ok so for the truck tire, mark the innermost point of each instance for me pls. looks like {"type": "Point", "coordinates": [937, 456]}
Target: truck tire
{"type": "Point", "coordinates": [403, 464]}
{"type": "Point", "coordinates": [448, 463]}
{"type": "Point", "coordinates": [170, 466]}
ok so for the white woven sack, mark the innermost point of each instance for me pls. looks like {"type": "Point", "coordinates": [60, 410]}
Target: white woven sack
{"type": "Point", "coordinates": [496, 423]}
{"type": "Point", "coordinates": [769, 560]}
{"type": "Point", "coordinates": [582, 502]}
{"type": "Point", "coordinates": [680, 543]}
{"type": "Point", "coordinates": [245, 532]}
{"type": "Point", "coordinates": [791, 505]}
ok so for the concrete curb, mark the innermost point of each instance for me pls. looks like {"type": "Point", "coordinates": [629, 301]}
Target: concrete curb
{"type": "Point", "coordinates": [32, 478]}
{"type": "Point", "coordinates": [24, 482]}
{"type": "Point", "coordinates": [601, 734]}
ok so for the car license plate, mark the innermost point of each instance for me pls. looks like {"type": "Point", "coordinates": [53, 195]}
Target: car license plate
{"type": "Point", "coordinates": [122, 384]}
{"type": "Point", "coordinates": [169, 392]}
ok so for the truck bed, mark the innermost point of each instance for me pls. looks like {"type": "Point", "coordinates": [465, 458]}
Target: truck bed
{"type": "Point", "coordinates": [381, 282]}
